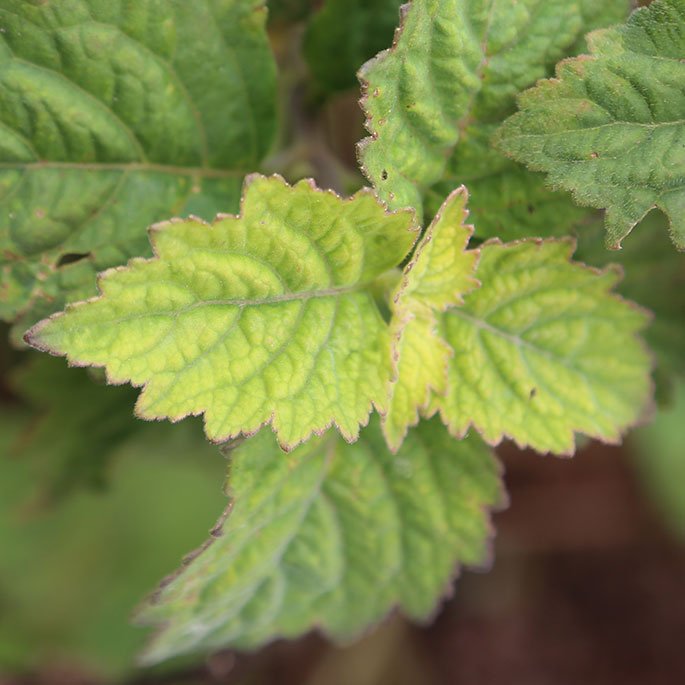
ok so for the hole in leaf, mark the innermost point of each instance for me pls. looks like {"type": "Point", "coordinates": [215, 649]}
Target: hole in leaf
{"type": "Point", "coordinates": [384, 175]}
{"type": "Point", "coordinates": [71, 258]}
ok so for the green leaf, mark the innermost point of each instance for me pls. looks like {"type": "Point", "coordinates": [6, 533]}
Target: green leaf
{"type": "Point", "coordinates": [116, 115]}
{"type": "Point", "coordinates": [655, 279]}
{"type": "Point", "coordinates": [331, 536]}
{"type": "Point", "coordinates": [610, 127]}
{"type": "Point", "coordinates": [659, 456]}
{"type": "Point", "coordinates": [506, 200]}
{"type": "Point", "coordinates": [262, 318]}
{"type": "Point", "coordinates": [597, 15]}
{"type": "Point", "coordinates": [439, 274]}
{"type": "Point", "coordinates": [542, 350]}
{"type": "Point", "coordinates": [343, 35]}
{"type": "Point", "coordinates": [456, 63]}
{"type": "Point", "coordinates": [69, 283]}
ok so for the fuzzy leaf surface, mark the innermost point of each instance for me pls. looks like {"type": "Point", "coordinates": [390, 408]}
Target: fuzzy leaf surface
{"type": "Point", "coordinates": [456, 63]}
{"type": "Point", "coordinates": [543, 350]}
{"type": "Point", "coordinates": [264, 317]}
{"type": "Point", "coordinates": [116, 115]}
{"type": "Point", "coordinates": [331, 536]}
{"type": "Point", "coordinates": [506, 200]}
{"type": "Point", "coordinates": [610, 127]}
{"type": "Point", "coordinates": [439, 274]}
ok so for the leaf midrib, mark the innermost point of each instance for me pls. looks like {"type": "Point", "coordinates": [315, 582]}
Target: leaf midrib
{"type": "Point", "coordinates": [517, 341]}
{"type": "Point", "coordinates": [302, 296]}
{"type": "Point", "coordinates": [328, 449]}
{"type": "Point", "coordinates": [273, 299]}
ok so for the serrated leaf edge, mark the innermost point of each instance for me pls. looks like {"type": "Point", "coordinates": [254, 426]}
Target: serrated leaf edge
{"type": "Point", "coordinates": [217, 531]}
{"type": "Point", "coordinates": [649, 407]}
{"type": "Point", "coordinates": [361, 146]}
{"type": "Point", "coordinates": [31, 336]}
{"type": "Point", "coordinates": [421, 410]}
{"type": "Point", "coordinates": [594, 40]}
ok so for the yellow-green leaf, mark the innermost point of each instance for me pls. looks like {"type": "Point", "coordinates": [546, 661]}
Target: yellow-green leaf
{"type": "Point", "coordinates": [544, 349]}
{"type": "Point", "coordinates": [261, 318]}
{"type": "Point", "coordinates": [439, 274]}
{"type": "Point", "coordinates": [331, 536]}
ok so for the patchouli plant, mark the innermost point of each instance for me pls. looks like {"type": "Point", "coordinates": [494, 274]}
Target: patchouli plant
{"type": "Point", "coordinates": [354, 352]}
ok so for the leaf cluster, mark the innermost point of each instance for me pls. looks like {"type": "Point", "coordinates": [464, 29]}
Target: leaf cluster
{"type": "Point", "coordinates": [354, 357]}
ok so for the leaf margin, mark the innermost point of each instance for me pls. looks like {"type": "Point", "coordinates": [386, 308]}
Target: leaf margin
{"type": "Point", "coordinates": [643, 415]}
{"type": "Point", "coordinates": [31, 337]}
{"type": "Point", "coordinates": [404, 314]}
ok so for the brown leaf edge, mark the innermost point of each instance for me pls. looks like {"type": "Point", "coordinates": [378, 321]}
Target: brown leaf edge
{"type": "Point", "coordinates": [648, 408]}
{"type": "Point", "coordinates": [403, 315]}
{"type": "Point", "coordinates": [500, 503]}
{"type": "Point", "coordinates": [32, 336]}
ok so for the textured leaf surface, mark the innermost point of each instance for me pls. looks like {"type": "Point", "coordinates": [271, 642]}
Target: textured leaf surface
{"type": "Point", "coordinates": [266, 317]}
{"type": "Point", "coordinates": [115, 115]}
{"type": "Point", "coordinates": [654, 278]}
{"type": "Point", "coordinates": [68, 283]}
{"type": "Point", "coordinates": [610, 127]}
{"type": "Point", "coordinates": [597, 15]}
{"type": "Point", "coordinates": [439, 274]}
{"type": "Point", "coordinates": [331, 536]}
{"type": "Point", "coordinates": [506, 200]}
{"type": "Point", "coordinates": [343, 35]}
{"type": "Point", "coordinates": [456, 63]}
{"type": "Point", "coordinates": [543, 349]}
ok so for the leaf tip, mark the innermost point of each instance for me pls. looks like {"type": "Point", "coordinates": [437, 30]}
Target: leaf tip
{"type": "Point", "coordinates": [34, 337]}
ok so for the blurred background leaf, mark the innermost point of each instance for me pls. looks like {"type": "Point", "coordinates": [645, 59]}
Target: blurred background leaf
{"type": "Point", "coordinates": [654, 277]}
{"type": "Point", "coordinates": [659, 453]}
{"type": "Point", "coordinates": [343, 35]}
{"type": "Point", "coordinates": [71, 575]}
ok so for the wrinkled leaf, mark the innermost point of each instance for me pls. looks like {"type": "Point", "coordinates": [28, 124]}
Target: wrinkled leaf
{"type": "Point", "coordinates": [544, 349]}
{"type": "Point", "coordinates": [506, 200]}
{"type": "Point", "coordinates": [610, 127]}
{"type": "Point", "coordinates": [457, 64]}
{"type": "Point", "coordinates": [114, 116]}
{"type": "Point", "coordinates": [439, 274]}
{"type": "Point", "coordinates": [331, 536]}
{"type": "Point", "coordinates": [262, 318]}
